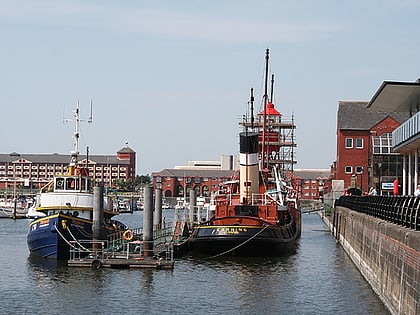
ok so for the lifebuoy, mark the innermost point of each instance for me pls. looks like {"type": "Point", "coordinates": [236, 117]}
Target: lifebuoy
{"type": "Point", "coordinates": [96, 264]}
{"type": "Point", "coordinates": [128, 235]}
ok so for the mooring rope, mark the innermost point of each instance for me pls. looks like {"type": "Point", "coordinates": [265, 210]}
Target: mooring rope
{"type": "Point", "coordinates": [65, 240]}
{"type": "Point", "coordinates": [237, 246]}
{"type": "Point", "coordinates": [77, 242]}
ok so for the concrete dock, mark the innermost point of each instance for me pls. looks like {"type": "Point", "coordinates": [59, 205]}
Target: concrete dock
{"type": "Point", "coordinates": [121, 263]}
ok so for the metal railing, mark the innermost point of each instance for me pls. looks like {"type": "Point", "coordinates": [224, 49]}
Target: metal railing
{"type": "Point", "coordinates": [401, 210]}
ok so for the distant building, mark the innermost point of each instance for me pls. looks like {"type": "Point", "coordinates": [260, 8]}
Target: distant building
{"type": "Point", "coordinates": [204, 177]}
{"type": "Point", "coordinates": [32, 171]}
{"type": "Point", "coordinates": [311, 182]}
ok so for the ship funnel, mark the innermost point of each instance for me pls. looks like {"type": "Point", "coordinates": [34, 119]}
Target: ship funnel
{"type": "Point", "coordinates": [248, 160]}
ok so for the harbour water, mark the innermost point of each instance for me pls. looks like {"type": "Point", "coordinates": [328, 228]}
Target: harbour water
{"type": "Point", "coordinates": [318, 279]}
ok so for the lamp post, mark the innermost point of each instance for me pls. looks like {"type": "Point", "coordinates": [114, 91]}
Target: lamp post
{"type": "Point", "coordinates": [379, 173]}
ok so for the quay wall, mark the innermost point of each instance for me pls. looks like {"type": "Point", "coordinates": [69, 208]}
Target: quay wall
{"type": "Point", "coordinates": [387, 255]}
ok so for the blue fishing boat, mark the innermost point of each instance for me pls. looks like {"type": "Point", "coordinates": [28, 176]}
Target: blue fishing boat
{"type": "Point", "coordinates": [67, 205]}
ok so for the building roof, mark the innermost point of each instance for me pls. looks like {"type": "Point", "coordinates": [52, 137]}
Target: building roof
{"type": "Point", "coordinates": [312, 173]}
{"type": "Point", "coordinates": [193, 173]}
{"type": "Point", "coordinates": [397, 97]}
{"type": "Point", "coordinates": [354, 115]}
{"type": "Point", "coordinates": [271, 110]}
{"type": "Point", "coordinates": [56, 158]}
{"type": "Point", "coordinates": [126, 149]}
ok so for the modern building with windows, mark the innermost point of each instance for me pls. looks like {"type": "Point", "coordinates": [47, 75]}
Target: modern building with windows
{"type": "Point", "coordinates": [401, 97]}
{"type": "Point", "coordinates": [364, 147]}
{"type": "Point", "coordinates": [29, 172]}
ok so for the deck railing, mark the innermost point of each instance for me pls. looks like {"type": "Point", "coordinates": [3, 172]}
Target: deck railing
{"type": "Point", "coordinates": [401, 210]}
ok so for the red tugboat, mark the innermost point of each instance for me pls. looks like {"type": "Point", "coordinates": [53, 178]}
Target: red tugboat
{"type": "Point", "coordinates": [257, 212]}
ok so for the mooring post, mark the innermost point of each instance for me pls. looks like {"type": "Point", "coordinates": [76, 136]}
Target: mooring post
{"type": "Point", "coordinates": [193, 204]}
{"type": "Point", "coordinates": [148, 222]}
{"type": "Point", "coordinates": [98, 217]}
{"type": "Point", "coordinates": [14, 207]}
{"type": "Point", "coordinates": [158, 209]}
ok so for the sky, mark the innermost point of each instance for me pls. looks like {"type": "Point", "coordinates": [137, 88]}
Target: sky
{"type": "Point", "coordinates": [172, 78]}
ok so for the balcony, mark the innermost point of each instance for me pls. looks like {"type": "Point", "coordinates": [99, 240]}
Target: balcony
{"type": "Point", "coordinates": [406, 138]}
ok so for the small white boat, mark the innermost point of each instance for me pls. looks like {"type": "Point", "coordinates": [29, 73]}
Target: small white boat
{"type": "Point", "coordinates": [13, 208]}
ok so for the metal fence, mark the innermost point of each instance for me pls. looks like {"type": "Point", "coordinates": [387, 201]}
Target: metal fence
{"type": "Point", "coordinates": [402, 210]}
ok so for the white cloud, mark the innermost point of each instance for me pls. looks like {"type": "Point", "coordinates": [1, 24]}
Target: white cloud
{"type": "Point", "coordinates": [196, 24]}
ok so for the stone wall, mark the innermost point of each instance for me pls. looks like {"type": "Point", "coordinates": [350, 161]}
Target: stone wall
{"type": "Point", "coordinates": [387, 255]}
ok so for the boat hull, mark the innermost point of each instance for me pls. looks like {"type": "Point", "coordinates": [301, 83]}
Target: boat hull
{"type": "Point", "coordinates": [50, 236]}
{"type": "Point", "coordinates": [237, 240]}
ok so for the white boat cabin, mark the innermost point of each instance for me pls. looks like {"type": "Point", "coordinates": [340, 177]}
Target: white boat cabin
{"type": "Point", "coordinates": [72, 184]}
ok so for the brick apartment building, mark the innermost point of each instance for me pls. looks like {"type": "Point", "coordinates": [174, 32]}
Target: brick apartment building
{"type": "Point", "coordinates": [311, 182]}
{"type": "Point", "coordinates": [364, 147]}
{"type": "Point", "coordinates": [29, 172]}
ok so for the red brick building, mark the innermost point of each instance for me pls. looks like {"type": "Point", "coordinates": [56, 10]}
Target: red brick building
{"type": "Point", "coordinates": [364, 147]}
{"type": "Point", "coordinates": [31, 171]}
{"type": "Point", "coordinates": [311, 182]}
{"type": "Point", "coordinates": [179, 182]}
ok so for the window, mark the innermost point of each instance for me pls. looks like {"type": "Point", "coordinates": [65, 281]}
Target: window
{"type": "Point", "coordinates": [382, 144]}
{"type": "Point", "coordinates": [359, 169]}
{"type": "Point", "coordinates": [349, 143]}
{"type": "Point", "coordinates": [348, 169]}
{"type": "Point", "coordinates": [359, 143]}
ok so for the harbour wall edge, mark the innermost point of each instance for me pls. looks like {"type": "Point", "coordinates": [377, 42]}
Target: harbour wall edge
{"type": "Point", "coordinates": [386, 254]}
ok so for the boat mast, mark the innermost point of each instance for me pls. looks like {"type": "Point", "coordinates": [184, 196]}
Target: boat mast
{"type": "Point", "coordinates": [272, 88]}
{"type": "Point", "coordinates": [251, 101]}
{"type": "Point", "coordinates": [76, 135]}
{"type": "Point", "coordinates": [265, 108]}
{"type": "Point", "coordinates": [75, 152]}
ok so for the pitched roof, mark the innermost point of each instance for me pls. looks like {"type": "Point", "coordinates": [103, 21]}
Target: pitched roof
{"type": "Point", "coordinates": [271, 110]}
{"type": "Point", "coordinates": [126, 149]}
{"type": "Point", "coordinates": [354, 115]}
{"type": "Point", "coordinates": [312, 173]}
{"type": "Point", "coordinates": [56, 158]}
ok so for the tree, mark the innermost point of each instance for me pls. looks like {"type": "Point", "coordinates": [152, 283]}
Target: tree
{"type": "Point", "coordinates": [142, 180]}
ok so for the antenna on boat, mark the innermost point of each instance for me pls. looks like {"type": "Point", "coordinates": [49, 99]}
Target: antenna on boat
{"type": "Point", "coordinates": [76, 135]}
{"type": "Point", "coordinates": [267, 52]}
{"type": "Point", "coordinates": [90, 116]}
{"type": "Point", "coordinates": [87, 157]}
{"type": "Point", "coordinates": [272, 88]}
{"type": "Point", "coordinates": [251, 101]}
